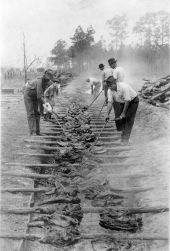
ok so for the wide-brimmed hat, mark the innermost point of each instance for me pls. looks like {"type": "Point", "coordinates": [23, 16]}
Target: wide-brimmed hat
{"type": "Point", "coordinates": [49, 72]}
{"type": "Point", "coordinates": [112, 60]}
{"type": "Point", "coordinates": [101, 66]}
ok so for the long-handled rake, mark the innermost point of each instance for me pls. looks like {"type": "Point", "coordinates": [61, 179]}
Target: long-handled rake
{"type": "Point", "coordinates": [50, 110]}
{"type": "Point", "coordinates": [94, 99]}
{"type": "Point", "coordinates": [94, 143]}
{"type": "Point", "coordinates": [101, 109]}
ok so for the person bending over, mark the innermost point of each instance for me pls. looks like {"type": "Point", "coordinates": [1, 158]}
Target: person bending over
{"type": "Point", "coordinates": [127, 104]}
{"type": "Point", "coordinates": [94, 85]}
{"type": "Point", "coordinates": [34, 98]}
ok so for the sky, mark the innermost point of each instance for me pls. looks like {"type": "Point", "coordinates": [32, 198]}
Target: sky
{"type": "Point", "coordinates": [45, 21]}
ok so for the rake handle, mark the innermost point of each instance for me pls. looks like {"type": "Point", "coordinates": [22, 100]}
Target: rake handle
{"type": "Point", "coordinates": [95, 99]}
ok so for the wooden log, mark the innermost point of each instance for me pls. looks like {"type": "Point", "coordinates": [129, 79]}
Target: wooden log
{"type": "Point", "coordinates": [47, 176]}
{"type": "Point", "coordinates": [40, 176]}
{"type": "Point", "coordinates": [41, 142]}
{"type": "Point", "coordinates": [111, 138]}
{"type": "Point", "coordinates": [30, 237]}
{"type": "Point", "coordinates": [19, 210]}
{"type": "Point", "coordinates": [131, 189]}
{"type": "Point", "coordinates": [148, 210]}
{"type": "Point", "coordinates": [58, 200]}
{"type": "Point", "coordinates": [47, 137]}
{"type": "Point", "coordinates": [29, 175]}
{"type": "Point", "coordinates": [127, 210]}
{"type": "Point", "coordinates": [108, 157]}
{"type": "Point", "coordinates": [117, 165]}
{"type": "Point", "coordinates": [101, 236]}
{"type": "Point", "coordinates": [34, 190]}
{"type": "Point", "coordinates": [87, 210]}
{"type": "Point", "coordinates": [40, 155]}
{"type": "Point", "coordinates": [36, 165]}
{"type": "Point", "coordinates": [157, 96]}
{"type": "Point", "coordinates": [56, 148]}
{"type": "Point", "coordinates": [24, 190]}
{"type": "Point", "coordinates": [46, 148]}
{"type": "Point", "coordinates": [51, 133]}
{"type": "Point", "coordinates": [36, 224]}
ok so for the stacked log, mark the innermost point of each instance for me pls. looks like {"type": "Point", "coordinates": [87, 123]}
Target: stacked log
{"type": "Point", "coordinates": [157, 92]}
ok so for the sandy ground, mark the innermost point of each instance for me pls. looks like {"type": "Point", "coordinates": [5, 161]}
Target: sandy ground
{"type": "Point", "coordinates": [14, 130]}
{"type": "Point", "coordinates": [150, 140]}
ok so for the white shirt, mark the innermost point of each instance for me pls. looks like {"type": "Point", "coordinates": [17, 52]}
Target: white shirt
{"type": "Point", "coordinates": [94, 81]}
{"type": "Point", "coordinates": [124, 93]}
{"type": "Point", "coordinates": [118, 73]}
{"type": "Point", "coordinates": [106, 73]}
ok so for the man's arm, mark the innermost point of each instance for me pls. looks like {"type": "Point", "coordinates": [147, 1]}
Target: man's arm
{"type": "Point", "coordinates": [126, 105]}
{"type": "Point", "coordinates": [127, 98]}
{"type": "Point", "coordinates": [103, 80]}
{"type": "Point", "coordinates": [91, 89]}
{"type": "Point", "coordinates": [109, 105]}
{"type": "Point", "coordinates": [40, 93]}
{"type": "Point", "coordinates": [109, 108]}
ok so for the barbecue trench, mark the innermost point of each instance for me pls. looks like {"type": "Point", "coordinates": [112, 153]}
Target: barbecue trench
{"type": "Point", "coordinates": [74, 205]}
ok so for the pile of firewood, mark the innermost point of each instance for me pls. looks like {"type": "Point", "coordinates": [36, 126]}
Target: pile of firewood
{"type": "Point", "coordinates": [157, 92]}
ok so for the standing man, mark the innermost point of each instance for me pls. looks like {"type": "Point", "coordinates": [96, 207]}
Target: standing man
{"type": "Point", "coordinates": [34, 98]}
{"type": "Point", "coordinates": [105, 74]}
{"type": "Point", "coordinates": [127, 102]}
{"type": "Point", "coordinates": [94, 84]}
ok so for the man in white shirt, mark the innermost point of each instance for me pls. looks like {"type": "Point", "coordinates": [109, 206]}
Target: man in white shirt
{"type": "Point", "coordinates": [94, 84]}
{"type": "Point", "coordinates": [126, 100]}
{"type": "Point", "coordinates": [105, 74]}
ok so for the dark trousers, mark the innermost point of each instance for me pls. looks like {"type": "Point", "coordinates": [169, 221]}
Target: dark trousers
{"type": "Point", "coordinates": [125, 125]}
{"type": "Point", "coordinates": [33, 115]}
{"type": "Point", "coordinates": [41, 108]}
{"type": "Point", "coordinates": [105, 93]}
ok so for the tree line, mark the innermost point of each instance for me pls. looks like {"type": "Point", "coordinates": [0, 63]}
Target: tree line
{"type": "Point", "coordinates": [149, 44]}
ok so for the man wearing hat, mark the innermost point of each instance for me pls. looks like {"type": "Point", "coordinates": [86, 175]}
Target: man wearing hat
{"type": "Point", "coordinates": [34, 98]}
{"type": "Point", "coordinates": [126, 100]}
{"type": "Point", "coordinates": [105, 74]}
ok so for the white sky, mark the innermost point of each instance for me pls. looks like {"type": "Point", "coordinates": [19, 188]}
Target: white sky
{"type": "Point", "coordinates": [46, 21]}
